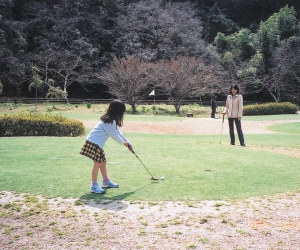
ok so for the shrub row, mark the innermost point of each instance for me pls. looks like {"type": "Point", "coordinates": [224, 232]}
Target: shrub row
{"type": "Point", "coordinates": [30, 124]}
{"type": "Point", "coordinates": [270, 109]}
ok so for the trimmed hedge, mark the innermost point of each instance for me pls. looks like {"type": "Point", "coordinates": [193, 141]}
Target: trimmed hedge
{"type": "Point", "coordinates": [273, 108]}
{"type": "Point", "coordinates": [30, 124]}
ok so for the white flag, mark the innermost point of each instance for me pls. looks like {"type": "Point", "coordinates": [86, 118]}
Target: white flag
{"type": "Point", "coordinates": [152, 92]}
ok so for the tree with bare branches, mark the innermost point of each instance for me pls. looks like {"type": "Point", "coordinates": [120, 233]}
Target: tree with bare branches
{"type": "Point", "coordinates": [36, 81]}
{"type": "Point", "coordinates": [127, 79]}
{"type": "Point", "coordinates": [69, 66]}
{"type": "Point", "coordinates": [181, 78]}
{"type": "Point", "coordinates": [285, 75]}
{"type": "Point", "coordinates": [281, 81]}
{"type": "Point", "coordinates": [153, 30]}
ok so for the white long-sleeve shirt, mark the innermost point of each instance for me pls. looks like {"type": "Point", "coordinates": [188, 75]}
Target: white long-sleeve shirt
{"type": "Point", "coordinates": [234, 106]}
{"type": "Point", "coordinates": [102, 131]}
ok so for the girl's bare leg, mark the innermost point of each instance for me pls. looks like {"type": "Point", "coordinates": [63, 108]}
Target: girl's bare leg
{"type": "Point", "coordinates": [95, 171]}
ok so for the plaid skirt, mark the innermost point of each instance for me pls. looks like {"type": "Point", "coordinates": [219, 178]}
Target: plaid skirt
{"type": "Point", "coordinates": [93, 151]}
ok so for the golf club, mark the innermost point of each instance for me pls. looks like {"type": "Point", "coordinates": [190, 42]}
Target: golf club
{"type": "Point", "coordinates": [222, 129]}
{"type": "Point", "coordinates": [152, 178]}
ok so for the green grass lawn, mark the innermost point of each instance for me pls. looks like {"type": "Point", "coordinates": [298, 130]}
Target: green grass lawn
{"type": "Point", "coordinates": [293, 127]}
{"type": "Point", "coordinates": [272, 117]}
{"type": "Point", "coordinates": [195, 167]}
{"type": "Point", "coordinates": [52, 167]}
{"type": "Point", "coordinates": [274, 140]}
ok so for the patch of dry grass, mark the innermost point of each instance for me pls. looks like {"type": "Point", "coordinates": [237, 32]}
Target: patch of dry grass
{"type": "Point", "coordinates": [31, 222]}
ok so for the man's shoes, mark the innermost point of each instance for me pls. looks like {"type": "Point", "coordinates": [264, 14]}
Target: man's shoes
{"type": "Point", "coordinates": [243, 145]}
{"type": "Point", "coordinates": [109, 184]}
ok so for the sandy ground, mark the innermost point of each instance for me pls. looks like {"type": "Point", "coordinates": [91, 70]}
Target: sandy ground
{"type": "Point", "coordinates": [198, 126]}
{"type": "Point", "coordinates": [256, 223]}
{"type": "Point", "coordinates": [193, 126]}
{"type": "Point", "coordinates": [30, 222]}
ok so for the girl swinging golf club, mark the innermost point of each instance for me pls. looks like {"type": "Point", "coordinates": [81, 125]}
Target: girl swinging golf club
{"type": "Point", "coordinates": [95, 141]}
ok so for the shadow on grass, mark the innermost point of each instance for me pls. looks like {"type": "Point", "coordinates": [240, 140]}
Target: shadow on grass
{"type": "Point", "coordinates": [101, 201]}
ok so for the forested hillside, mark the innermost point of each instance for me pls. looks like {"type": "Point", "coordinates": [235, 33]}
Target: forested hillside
{"type": "Point", "coordinates": [126, 48]}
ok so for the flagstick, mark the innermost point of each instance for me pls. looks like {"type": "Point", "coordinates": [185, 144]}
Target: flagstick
{"type": "Point", "coordinates": [153, 93]}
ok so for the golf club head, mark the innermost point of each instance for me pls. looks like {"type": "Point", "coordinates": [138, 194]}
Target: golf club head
{"type": "Point", "coordinates": [154, 179]}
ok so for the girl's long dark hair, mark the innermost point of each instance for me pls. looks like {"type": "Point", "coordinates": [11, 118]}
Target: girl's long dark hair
{"type": "Point", "coordinates": [236, 88]}
{"type": "Point", "coordinates": [115, 112]}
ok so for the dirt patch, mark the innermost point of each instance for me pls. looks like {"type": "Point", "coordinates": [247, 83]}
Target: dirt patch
{"type": "Point", "coordinates": [193, 126]}
{"type": "Point", "coordinates": [256, 223]}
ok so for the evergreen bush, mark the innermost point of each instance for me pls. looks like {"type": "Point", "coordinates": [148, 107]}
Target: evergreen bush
{"type": "Point", "coordinates": [30, 124]}
{"type": "Point", "coordinates": [270, 109]}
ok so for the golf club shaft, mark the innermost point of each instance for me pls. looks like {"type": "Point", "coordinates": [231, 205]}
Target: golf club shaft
{"type": "Point", "coordinates": [222, 129]}
{"type": "Point", "coordinates": [142, 163]}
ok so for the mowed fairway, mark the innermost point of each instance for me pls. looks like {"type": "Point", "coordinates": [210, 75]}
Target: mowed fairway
{"type": "Point", "coordinates": [195, 167]}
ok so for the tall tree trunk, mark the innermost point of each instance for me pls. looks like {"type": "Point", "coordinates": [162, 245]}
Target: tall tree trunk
{"type": "Point", "coordinates": [65, 83]}
{"type": "Point", "coordinates": [133, 107]}
{"type": "Point", "coordinates": [65, 88]}
{"type": "Point", "coordinates": [278, 95]}
{"type": "Point", "coordinates": [177, 107]}
{"type": "Point", "coordinates": [273, 96]}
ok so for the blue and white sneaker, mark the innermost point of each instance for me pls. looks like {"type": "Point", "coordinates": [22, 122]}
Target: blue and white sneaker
{"type": "Point", "coordinates": [96, 189]}
{"type": "Point", "coordinates": [109, 184]}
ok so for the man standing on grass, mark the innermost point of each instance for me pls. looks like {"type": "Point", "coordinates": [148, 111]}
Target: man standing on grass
{"type": "Point", "coordinates": [213, 106]}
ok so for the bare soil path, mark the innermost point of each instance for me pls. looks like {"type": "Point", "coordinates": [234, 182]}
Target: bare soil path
{"type": "Point", "coordinates": [193, 126]}
{"type": "Point", "coordinates": [256, 223]}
